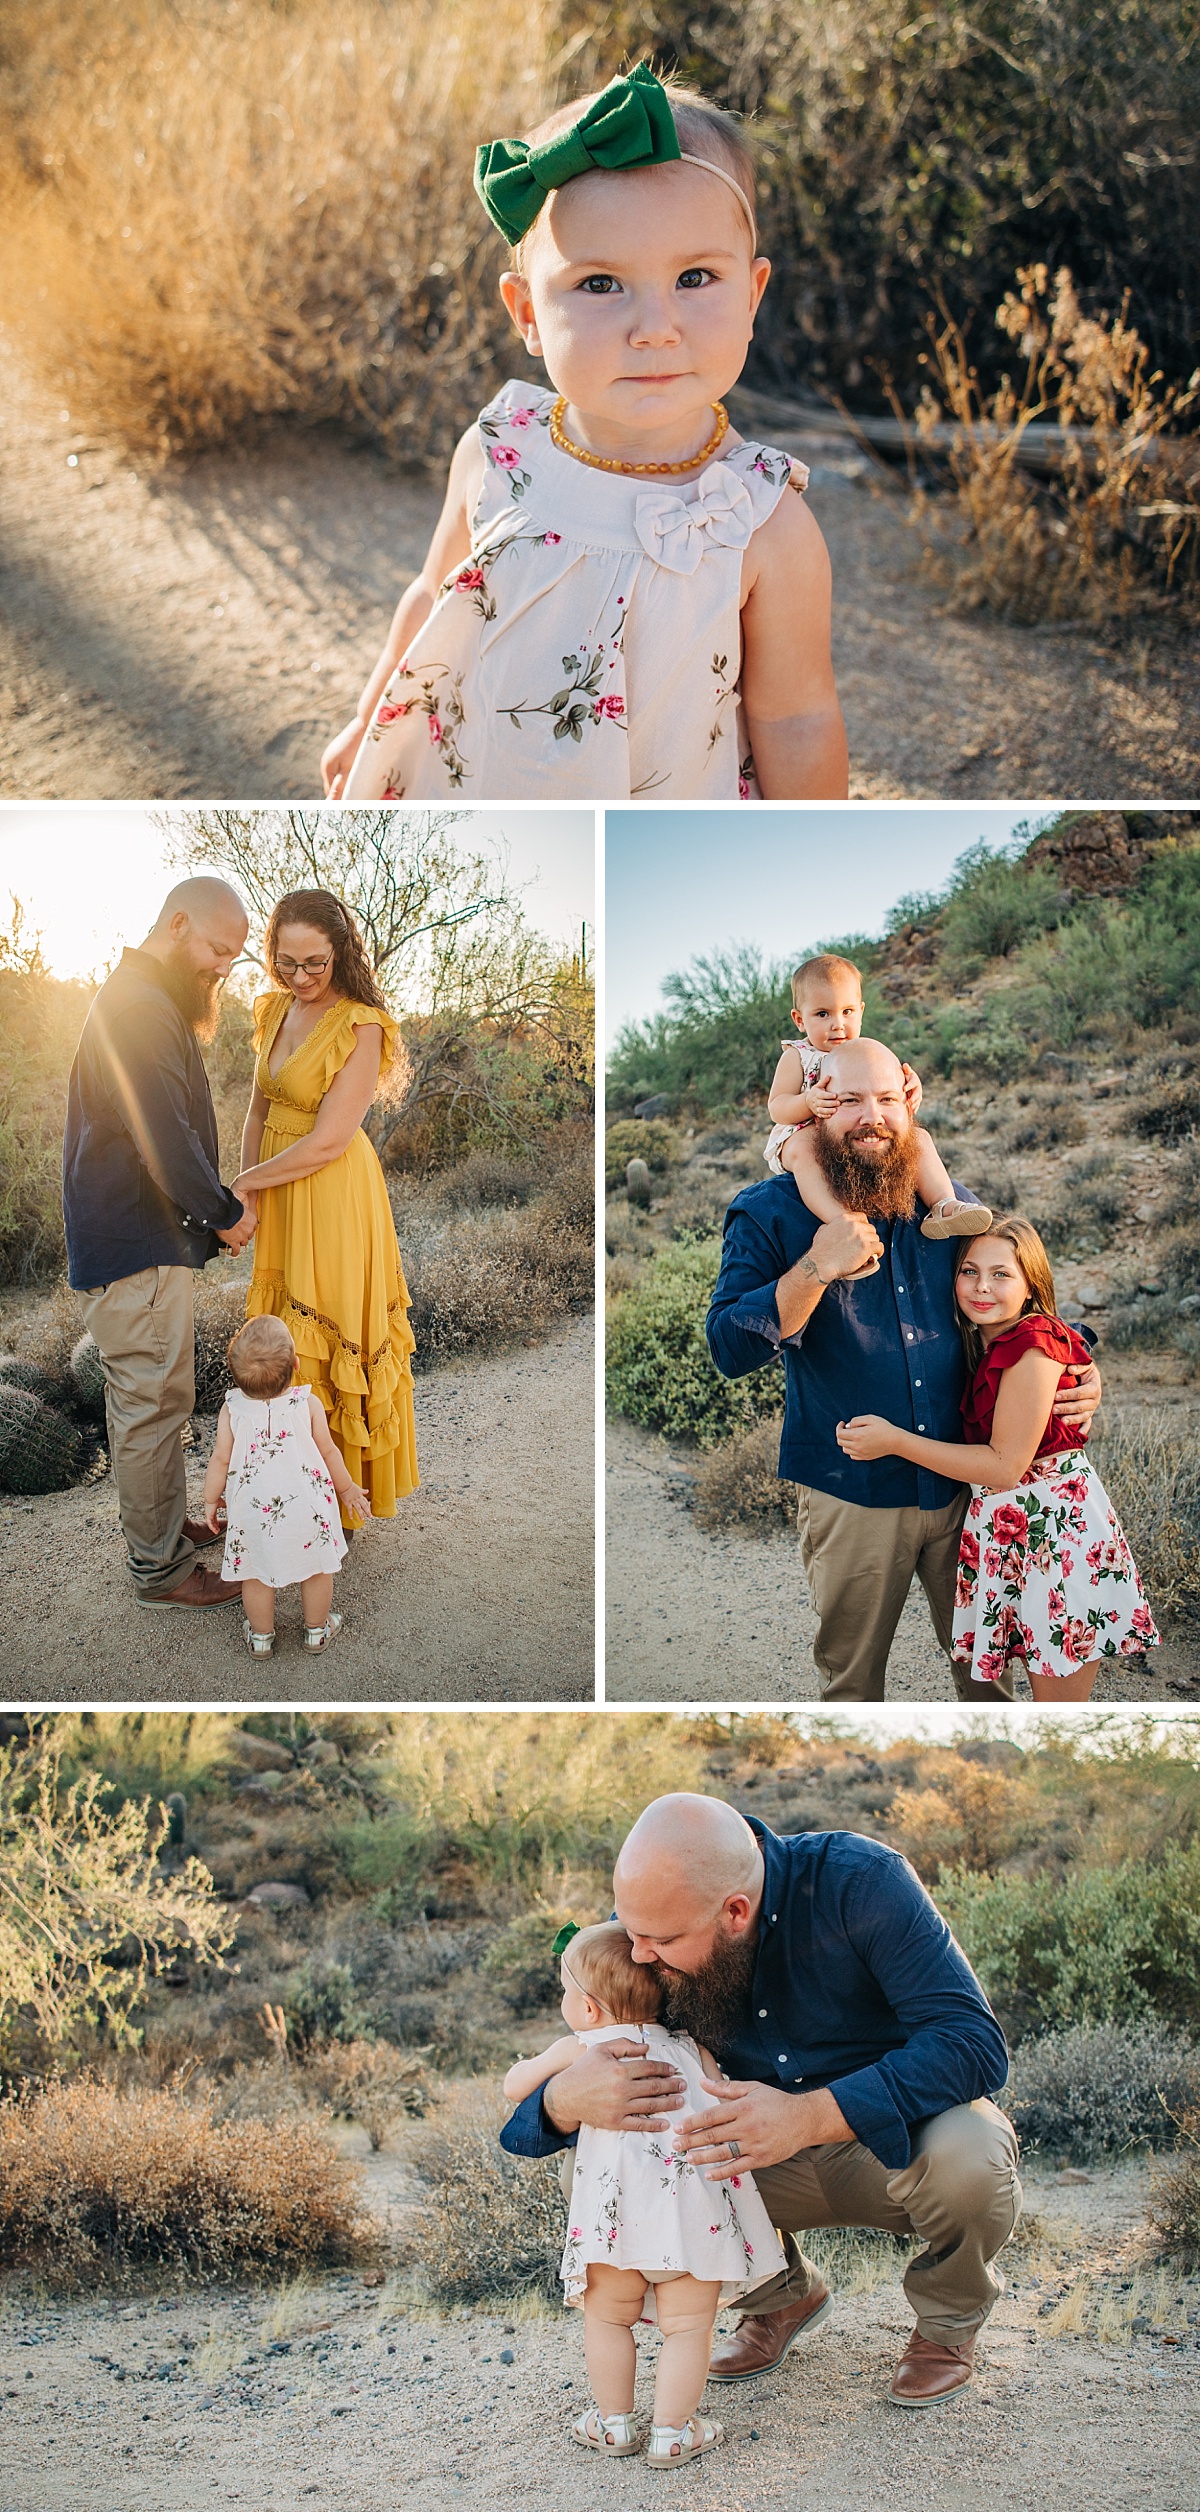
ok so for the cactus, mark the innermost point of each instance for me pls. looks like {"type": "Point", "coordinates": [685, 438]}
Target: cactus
{"type": "Point", "coordinates": [87, 1376]}
{"type": "Point", "coordinates": [34, 1380]}
{"type": "Point", "coordinates": [40, 1450]}
{"type": "Point", "coordinates": [176, 1805]}
{"type": "Point", "coordinates": [637, 1183]}
{"type": "Point", "coordinates": [220, 1310]}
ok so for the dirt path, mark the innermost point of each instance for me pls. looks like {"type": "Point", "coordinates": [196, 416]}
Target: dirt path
{"type": "Point", "coordinates": [201, 631]}
{"type": "Point", "coordinates": [332, 2394]}
{"type": "Point", "coordinates": [481, 1590]}
{"type": "Point", "coordinates": [697, 1617]}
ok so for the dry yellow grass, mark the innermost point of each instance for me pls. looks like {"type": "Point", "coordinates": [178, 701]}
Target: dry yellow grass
{"type": "Point", "coordinates": [261, 210]}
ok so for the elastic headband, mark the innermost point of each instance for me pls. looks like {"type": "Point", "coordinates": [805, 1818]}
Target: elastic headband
{"type": "Point", "coordinates": [631, 124]}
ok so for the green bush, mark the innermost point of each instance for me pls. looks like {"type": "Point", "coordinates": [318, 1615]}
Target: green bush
{"type": "Point", "coordinates": [1108, 1944]}
{"type": "Point", "coordinates": [659, 1371]}
{"type": "Point", "coordinates": [637, 1138]}
{"type": "Point", "coordinates": [994, 903]}
{"type": "Point", "coordinates": [521, 1965]}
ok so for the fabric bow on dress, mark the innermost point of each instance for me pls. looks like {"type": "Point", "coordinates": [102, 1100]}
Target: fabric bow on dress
{"type": "Point", "coordinates": [676, 531]}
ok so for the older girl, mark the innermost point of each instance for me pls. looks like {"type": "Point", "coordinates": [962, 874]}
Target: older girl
{"type": "Point", "coordinates": [1045, 1576]}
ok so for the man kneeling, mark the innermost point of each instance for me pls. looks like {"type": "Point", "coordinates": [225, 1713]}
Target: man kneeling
{"type": "Point", "coordinates": [861, 2059]}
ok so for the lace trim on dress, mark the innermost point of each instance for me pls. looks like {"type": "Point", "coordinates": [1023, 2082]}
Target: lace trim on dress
{"type": "Point", "coordinates": [317, 1317]}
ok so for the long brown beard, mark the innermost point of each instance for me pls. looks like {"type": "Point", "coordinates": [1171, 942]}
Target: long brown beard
{"type": "Point", "coordinates": [197, 991]}
{"type": "Point", "coordinates": [885, 1187]}
{"type": "Point", "coordinates": [713, 2003]}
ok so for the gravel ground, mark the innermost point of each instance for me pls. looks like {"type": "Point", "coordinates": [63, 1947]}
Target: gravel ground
{"type": "Point", "coordinates": [201, 631]}
{"type": "Point", "coordinates": [480, 1590]}
{"type": "Point", "coordinates": [698, 1617]}
{"type": "Point", "coordinates": [333, 2393]}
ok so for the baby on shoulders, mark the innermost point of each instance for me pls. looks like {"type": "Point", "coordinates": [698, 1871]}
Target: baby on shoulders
{"type": "Point", "coordinates": [827, 1011]}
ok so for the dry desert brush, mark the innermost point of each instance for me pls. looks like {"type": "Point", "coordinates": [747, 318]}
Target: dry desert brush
{"type": "Point", "coordinates": [94, 2181]}
{"type": "Point", "coordinates": [488, 2226]}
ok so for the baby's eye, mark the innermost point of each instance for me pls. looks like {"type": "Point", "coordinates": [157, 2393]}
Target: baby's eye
{"type": "Point", "coordinates": [693, 278]}
{"type": "Point", "coordinates": [600, 284]}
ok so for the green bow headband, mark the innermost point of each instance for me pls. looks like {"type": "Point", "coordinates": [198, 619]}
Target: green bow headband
{"type": "Point", "coordinates": [564, 1936]}
{"type": "Point", "coordinates": [631, 124]}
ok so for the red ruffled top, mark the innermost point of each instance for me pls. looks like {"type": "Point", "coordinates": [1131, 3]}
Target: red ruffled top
{"type": "Point", "coordinates": [1027, 1334]}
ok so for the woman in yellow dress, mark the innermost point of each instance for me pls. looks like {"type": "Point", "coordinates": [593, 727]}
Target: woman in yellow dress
{"type": "Point", "coordinates": [325, 1257]}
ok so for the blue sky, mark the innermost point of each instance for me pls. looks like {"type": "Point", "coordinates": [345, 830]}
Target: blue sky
{"type": "Point", "coordinates": [682, 883]}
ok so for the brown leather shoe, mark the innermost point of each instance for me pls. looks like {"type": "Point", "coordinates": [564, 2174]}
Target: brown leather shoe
{"type": "Point", "coordinates": [201, 1587]}
{"type": "Point", "coordinates": [199, 1533]}
{"type": "Point", "coordinates": [760, 2341]}
{"type": "Point", "coordinates": [927, 2374]}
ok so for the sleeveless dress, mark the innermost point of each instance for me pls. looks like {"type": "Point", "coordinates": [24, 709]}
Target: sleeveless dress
{"type": "Point", "coordinates": [1045, 1575]}
{"type": "Point", "coordinates": [636, 2203]}
{"type": "Point", "coordinates": [327, 1262]}
{"type": "Point", "coordinates": [811, 1061]}
{"type": "Point", "coordinates": [282, 1520]}
{"type": "Point", "coordinates": [590, 648]}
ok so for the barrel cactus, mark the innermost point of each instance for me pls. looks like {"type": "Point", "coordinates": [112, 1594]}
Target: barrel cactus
{"type": "Point", "coordinates": [40, 1450]}
{"type": "Point", "coordinates": [87, 1375]}
{"type": "Point", "coordinates": [36, 1380]}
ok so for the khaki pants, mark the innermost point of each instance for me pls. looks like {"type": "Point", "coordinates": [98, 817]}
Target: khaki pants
{"type": "Point", "coordinates": [859, 1564]}
{"type": "Point", "coordinates": [959, 2195]}
{"type": "Point", "coordinates": [143, 1326]}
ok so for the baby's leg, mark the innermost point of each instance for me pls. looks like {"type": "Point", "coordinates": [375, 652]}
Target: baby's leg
{"type": "Point", "coordinates": [799, 1157]}
{"type": "Point", "coordinates": [687, 2308]}
{"type": "Point", "coordinates": [258, 1604]}
{"type": "Point", "coordinates": [947, 1218]}
{"type": "Point", "coordinates": [316, 1596]}
{"type": "Point", "coordinates": [612, 2303]}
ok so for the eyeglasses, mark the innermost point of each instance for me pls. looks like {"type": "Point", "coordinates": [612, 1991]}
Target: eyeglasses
{"type": "Point", "coordinates": [303, 967]}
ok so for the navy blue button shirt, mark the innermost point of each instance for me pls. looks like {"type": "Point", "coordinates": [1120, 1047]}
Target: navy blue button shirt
{"type": "Point", "coordinates": [887, 1345]}
{"type": "Point", "coordinates": [858, 1986]}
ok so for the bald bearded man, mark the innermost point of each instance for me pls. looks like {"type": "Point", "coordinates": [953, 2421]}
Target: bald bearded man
{"type": "Point", "coordinates": [861, 2056]}
{"type": "Point", "coordinates": [144, 1207]}
{"type": "Point", "coordinates": [884, 1343]}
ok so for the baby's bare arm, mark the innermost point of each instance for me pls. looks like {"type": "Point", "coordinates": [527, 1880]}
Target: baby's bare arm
{"type": "Point", "coordinates": [792, 711]}
{"type": "Point", "coordinates": [787, 1098]}
{"type": "Point", "coordinates": [451, 544]}
{"type": "Point", "coordinates": [528, 2073]}
{"type": "Point", "coordinates": [218, 1466]}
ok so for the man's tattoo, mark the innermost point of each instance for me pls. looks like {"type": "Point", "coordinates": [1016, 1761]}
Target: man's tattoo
{"type": "Point", "coordinates": [807, 1266]}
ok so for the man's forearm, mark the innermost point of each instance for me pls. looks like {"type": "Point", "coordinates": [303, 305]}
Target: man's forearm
{"type": "Point", "coordinates": [557, 2105]}
{"type": "Point", "coordinates": [797, 1294]}
{"type": "Point", "coordinates": [821, 2121]}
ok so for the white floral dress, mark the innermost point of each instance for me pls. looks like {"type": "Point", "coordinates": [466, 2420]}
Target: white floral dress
{"type": "Point", "coordinates": [636, 2203]}
{"type": "Point", "coordinates": [590, 648]}
{"type": "Point", "coordinates": [283, 1523]}
{"type": "Point", "coordinates": [1046, 1578]}
{"type": "Point", "coordinates": [812, 1062]}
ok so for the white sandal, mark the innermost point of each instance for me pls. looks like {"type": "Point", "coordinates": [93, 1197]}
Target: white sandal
{"type": "Point", "coordinates": [259, 1643]}
{"type": "Point", "coordinates": [618, 2435]}
{"type": "Point", "coordinates": [672, 2445]}
{"type": "Point", "coordinates": [951, 1220]}
{"type": "Point", "coordinates": [325, 1633]}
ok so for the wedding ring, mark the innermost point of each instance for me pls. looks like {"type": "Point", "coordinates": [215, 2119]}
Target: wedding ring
{"type": "Point", "coordinates": [734, 2150]}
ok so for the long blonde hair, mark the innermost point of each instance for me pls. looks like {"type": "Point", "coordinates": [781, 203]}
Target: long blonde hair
{"type": "Point", "coordinates": [1034, 1263]}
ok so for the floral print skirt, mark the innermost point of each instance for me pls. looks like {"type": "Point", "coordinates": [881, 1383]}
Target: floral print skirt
{"type": "Point", "coordinates": [1046, 1578]}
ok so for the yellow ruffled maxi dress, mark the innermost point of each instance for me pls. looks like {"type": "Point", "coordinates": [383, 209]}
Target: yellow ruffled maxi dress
{"type": "Point", "coordinates": [326, 1259]}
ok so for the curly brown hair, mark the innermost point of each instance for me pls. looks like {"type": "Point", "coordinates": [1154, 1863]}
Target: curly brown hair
{"type": "Point", "coordinates": [353, 975]}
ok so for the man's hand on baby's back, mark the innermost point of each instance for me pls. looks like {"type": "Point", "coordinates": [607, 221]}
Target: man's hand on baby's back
{"type": "Point", "coordinates": [614, 2085]}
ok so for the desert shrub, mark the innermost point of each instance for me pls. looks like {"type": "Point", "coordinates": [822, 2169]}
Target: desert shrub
{"type": "Point", "coordinates": [321, 2003]}
{"type": "Point", "coordinates": [1108, 1944]}
{"type": "Point", "coordinates": [86, 1912]}
{"type": "Point", "coordinates": [220, 1308]}
{"type": "Point", "coordinates": [637, 1138]}
{"type": "Point", "coordinates": [1051, 1120]}
{"type": "Point", "coordinates": [1174, 2205]}
{"type": "Point", "coordinates": [657, 1363]}
{"type": "Point", "coordinates": [480, 1279]}
{"type": "Point", "coordinates": [1172, 1115]}
{"type": "Point", "coordinates": [487, 2225]}
{"type": "Point", "coordinates": [1090, 1201]}
{"type": "Point", "coordinates": [94, 2181]}
{"type": "Point", "coordinates": [521, 1964]}
{"type": "Point", "coordinates": [994, 904]}
{"type": "Point", "coordinates": [371, 2084]}
{"type": "Point", "coordinates": [483, 1178]}
{"type": "Point", "coordinates": [1114, 530]}
{"type": "Point", "coordinates": [1094, 2090]}
{"type": "Point", "coordinates": [739, 1484]}
{"type": "Point", "coordinates": [263, 214]}
{"type": "Point", "coordinates": [963, 1814]}
{"type": "Point", "coordinates": [1149, 1462]}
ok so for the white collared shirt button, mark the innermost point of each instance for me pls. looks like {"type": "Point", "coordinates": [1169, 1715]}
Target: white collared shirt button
{"type": "Point", "coordinates": [761, 2012]}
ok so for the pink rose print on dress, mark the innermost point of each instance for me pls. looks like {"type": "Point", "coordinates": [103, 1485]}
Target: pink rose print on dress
{"type": "Point", "coordinates": [968, 1549]}
{"type": "Point", "coordinates": [1010, 1524]}
{"type": "Point", "coordinates": [612, 706]}
{"type": "Point", "coordinates": [505, 457]}
{"type": "Point", "coordinates": [470, 579]}
{"type": "Point", "coordinates": [551, 540]}
{"type": "Point", "coordinates": [391, 712]}
{"type": "Point", "coordinates": [1143, 1623]}
{"type": "Point", "coordinates": [521, 418]}
{"type": "Point", "coordinates": [435, 731]}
